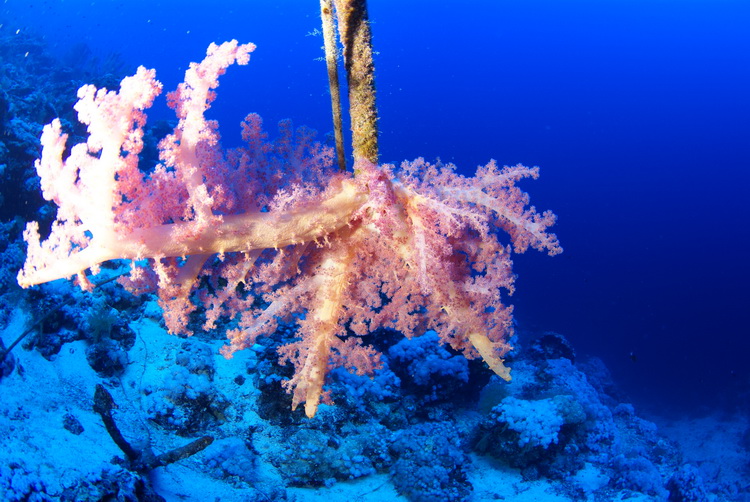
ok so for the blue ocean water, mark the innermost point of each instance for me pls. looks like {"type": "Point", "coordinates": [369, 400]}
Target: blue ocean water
{"type": "Point", "coordinates": [636, 112]}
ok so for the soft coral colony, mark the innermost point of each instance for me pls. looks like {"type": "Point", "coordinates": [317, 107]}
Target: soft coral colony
{"type": "Point", "coordinates": [413, 247]}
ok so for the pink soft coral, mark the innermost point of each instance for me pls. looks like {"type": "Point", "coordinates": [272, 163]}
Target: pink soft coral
{"type": "Point", "coordinates": [412, 248]}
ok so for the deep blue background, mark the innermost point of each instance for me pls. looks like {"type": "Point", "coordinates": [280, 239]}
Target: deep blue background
{"type": "Point", "coordinates": [636, 112]}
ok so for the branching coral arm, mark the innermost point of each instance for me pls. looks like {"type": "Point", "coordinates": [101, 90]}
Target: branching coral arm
{"type": "Point", "coordinates": [240, 232]}
{"type": "Point", "coordinates": [319, 329]}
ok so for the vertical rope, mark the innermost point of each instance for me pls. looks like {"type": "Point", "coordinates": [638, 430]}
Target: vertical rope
{"type": "Point", "coordinates": [356, 38]}
{"type": "Point", "coordinates": [329, 39]}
